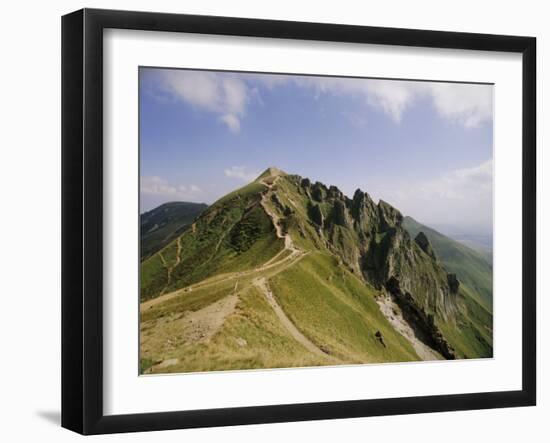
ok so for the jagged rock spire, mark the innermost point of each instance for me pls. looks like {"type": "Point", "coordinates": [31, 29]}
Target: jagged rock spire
{"type": "Point", "coordinates": [422, 241]}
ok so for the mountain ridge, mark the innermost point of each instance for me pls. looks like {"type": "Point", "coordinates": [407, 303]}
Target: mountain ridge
{"type": "Point", "coordinates": [471, 266]}
{"type": "Point", "coordinates": [281, 231]}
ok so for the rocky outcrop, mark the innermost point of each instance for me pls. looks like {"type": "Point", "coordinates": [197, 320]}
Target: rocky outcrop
{"type": "Point", "coordinates": [380, 338]}
{"type": "Point", "coordinates": [276, 201]}
{"type": "Point", "coordinates": [389, 216]}
{"type": "Point", "coordinates": [364, 211]}
{"type": "Point", "coordinates": [340, 214]}
{"type": "Point", "coordinates": [319, 192]}
{"type": "Point", "coordinates": [454, 283]}
{"type": "Point", "coordinates": [420, 320]}
{"type": "Point", "coordinates": [370, 240]}
{"type": "Point", "coordinates": [335, 193]}
{"type": "Point", "coordinates": [316, 215]}
{"type": "Point", "coordinates": [422, 241]}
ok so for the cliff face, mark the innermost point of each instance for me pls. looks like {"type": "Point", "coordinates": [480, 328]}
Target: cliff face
{"type": "Point", "coordinates": [371, 241]}
{"type": "Point", "coordinates": [382, 248]}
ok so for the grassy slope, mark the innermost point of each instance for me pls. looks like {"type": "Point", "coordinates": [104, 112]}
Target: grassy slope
{"type": "Point", "coordinates": [472, 334]}
{"type": "Point", "coordinates": [326, 302]}
{"type": "Point", "coordinates": [330, 305]}
{"type": "Point", "coordinates": [268, 344]}
{"type": "Point", "coordinates": [471, 267]}
{"type": "Point", "coordinates": [233, 234]}
{"type": "Point", "coordinates": [338, 312]}
{"type": "Point", "coordinates": [161, 225]}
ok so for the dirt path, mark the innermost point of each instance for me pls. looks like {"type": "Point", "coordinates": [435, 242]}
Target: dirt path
{"type": "Point", "coordinates": [202, 324]}
{"type": "Point", "coordinates": [275, 218]}
{"type": "Point", "coordinates": [169, 268]}
{"type": "Point", "coordinates": [261, 284]}
{"type": "Point", "coordinates": [285, 263]}
{"type": "Point", "coordinates": [295, 255]}
{"type": "Point", "coordinates": [275, 257]}
{"type": "Point", "coordinates": [178, 253]}
{"type": "Point", "coordinates": [393, 313]}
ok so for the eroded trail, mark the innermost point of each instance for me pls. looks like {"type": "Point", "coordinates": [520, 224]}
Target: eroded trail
{"type": "Point", "coordinates": [289, 245]}
{"type": "Point", "coordinates": [277, 263]}
{"type": "Point", "coordinates": [261, 284]}
{"type": "Point", "coordinates": [277, 267]}
{"type": "Point", "coordinates": [169, 268]}
{"type": "Point", "coordinates": [203, 323]}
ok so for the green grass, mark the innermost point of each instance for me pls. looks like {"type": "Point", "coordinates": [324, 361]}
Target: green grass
{"type": "Point", "coordinates": [337, 312]}
{"type": "Point", "coordinates": [153, 277]}
{"type": "Point", "coordinates": [144, 364]}
{"type": "Point", "coordinates": [250, 190]}
{"type": "Point", "coordinates": [189, 301]}
{"type": "Point", "coordinates": [323, 293]}
{"type": "Point", "coordinates": [163, 224]}
{"type": "Point", "coordinates": [233, 234]}
{"type": "Point", "coordinates": [345, 241]}
{"type": "Point", "coordinates": [471, 334]}
{"type": "Point", "coordinates": [251, 338]}
{"type": "Point", "coordinates": [472, 267]}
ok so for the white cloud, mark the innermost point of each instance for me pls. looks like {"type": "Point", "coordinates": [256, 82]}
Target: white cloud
{"type": "Point", "coordinates": [157, 186]}
{"type": "Point", "coordinates": [461, 184]}
{"type": "Point", "coordinates": [467, 104]}
{"type": "Point", "coordinates": [241, 173]}
{"type": "Point", "coordinates": [392, 97]}
{"type": "Point", "coordinates": [224, 94]}
{"type": "Point", "coordinates": [470, 105]}
{"type": "Point", "coordinates": [228, 95]}
{"type": "Point", "coordinates": [231, 122]}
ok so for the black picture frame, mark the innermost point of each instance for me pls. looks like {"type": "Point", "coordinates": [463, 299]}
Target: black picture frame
{"type": "Point", "coordinates": [82, 219]}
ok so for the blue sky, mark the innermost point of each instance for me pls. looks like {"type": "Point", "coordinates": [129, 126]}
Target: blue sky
{"type": "Point", "coordinates": [424, 147]}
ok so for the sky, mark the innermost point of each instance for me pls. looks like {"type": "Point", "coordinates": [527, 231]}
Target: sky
{"type": "Point", "coordinates": [424, 147]}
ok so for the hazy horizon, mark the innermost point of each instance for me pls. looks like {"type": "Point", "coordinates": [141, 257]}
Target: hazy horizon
{"type": "Point", "coordinates": [424, 147]}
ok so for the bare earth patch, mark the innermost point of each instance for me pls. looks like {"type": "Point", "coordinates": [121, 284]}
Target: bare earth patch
{"type": "Point", "coordinates": [173, 331]}
{"type": "Point", "coordinates": [393, 313]}
{"type": "Point", "coordinates": [204, 323]}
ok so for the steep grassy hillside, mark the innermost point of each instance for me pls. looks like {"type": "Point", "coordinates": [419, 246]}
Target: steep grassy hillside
{"type": "Point", "coordinates": [285, 272]}
{"type": "Point", "coordinates": [472, 267]}
{"type": "Point", "coordinates": [334, 311]}
{"type": "Point", "coordinates": [231, 235]}
{"type": "Point", "coordinates": [159, 226]}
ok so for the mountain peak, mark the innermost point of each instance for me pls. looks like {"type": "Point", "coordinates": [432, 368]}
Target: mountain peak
{"type": "Point", "coordinates": [272, 171]}
{"type": "Point", "coordinates": [303, 241]}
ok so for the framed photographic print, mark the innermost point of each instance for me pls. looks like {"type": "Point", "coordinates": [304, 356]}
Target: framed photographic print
{"type": "Point", "coordinates": [269, 221]}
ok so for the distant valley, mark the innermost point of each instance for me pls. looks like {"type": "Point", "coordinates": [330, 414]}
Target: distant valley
{"type": "Point", "coordinates": [163, 224]}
